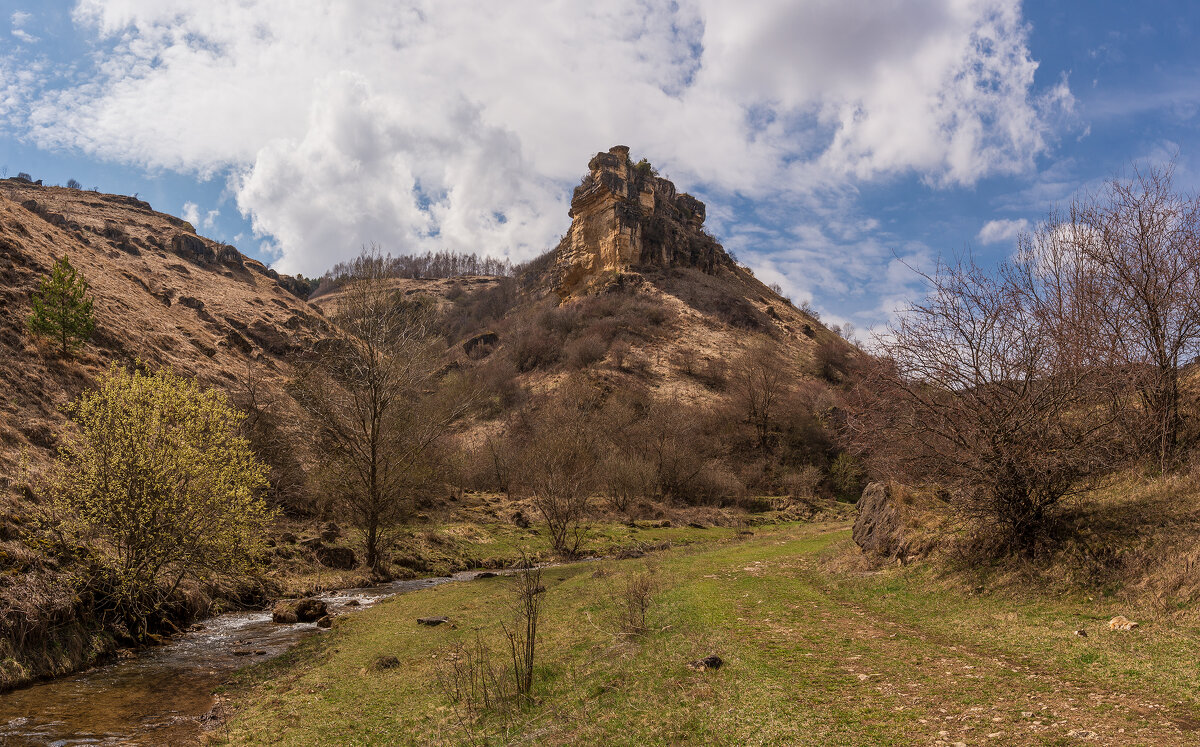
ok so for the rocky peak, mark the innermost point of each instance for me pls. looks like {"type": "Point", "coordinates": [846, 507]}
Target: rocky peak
{"type": "Point", "coordinates": [625, 216]}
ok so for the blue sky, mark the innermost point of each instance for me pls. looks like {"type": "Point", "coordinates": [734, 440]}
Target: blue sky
{"type": "Point", "coordinates": [836, 144]}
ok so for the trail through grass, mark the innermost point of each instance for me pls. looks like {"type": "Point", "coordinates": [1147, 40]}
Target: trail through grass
{"type": "Point", "coordinates": [892, 658]}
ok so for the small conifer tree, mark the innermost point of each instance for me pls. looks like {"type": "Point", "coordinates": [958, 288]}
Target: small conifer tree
{"type": "Point", "coordinates": [62, 307]}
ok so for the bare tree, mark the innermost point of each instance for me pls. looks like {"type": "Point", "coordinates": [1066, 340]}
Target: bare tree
{"type": "Point", "coordinates": [759, 384]}
{"type": "Point", "coordinates": [376, 406]}
{"type": "Point", "coordinates": [560, 458]}
{"type": "Point", "coordinates": [562, 471]}
{"type": "Point", "coordinates": [1140, 240]}
{"type": "Point", "coordinates": [979, 391]}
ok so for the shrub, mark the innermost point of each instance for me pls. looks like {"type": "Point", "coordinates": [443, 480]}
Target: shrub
{"type": "Point", "coordinates": [584, 351]}
{"type": "Point", "coordinates": [846, 476]}
{"type": "Point", "coordinates": [522, 636]}
{"type": "Point", "coordinates": [803, 483]}
{"type": "Point", "coordinates": [156, 475]}
{"type": "Point", "coordinates": [533, 347]}
{"type": "Point", "coordinates": [72, 184]}
{"type": "Point", "coordinates": [634, 601]}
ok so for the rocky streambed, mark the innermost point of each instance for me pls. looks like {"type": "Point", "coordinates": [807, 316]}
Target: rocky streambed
{"type": "Point", "coordinates": [163, 695]}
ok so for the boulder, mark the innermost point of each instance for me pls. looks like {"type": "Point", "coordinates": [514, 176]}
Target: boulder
{"type": "Point", "coordinates": [485, 574]}
{"type": "Point", "coordinates": [310, 610]}
{"type": "Point", "coordinates": [325, 622]}
{"type": "Point", "coordinates": [340, 558]}
{"type": "Point", "coordinates": [299, 610]}
{"type": "Point", "coordinates": [432, 621]}
{"type": "Point", "coordinates": [879, 528]}
{"type": "Point", "coordinates": [520, 520]}
{"type": "Point", "coordinates": [284, 613]}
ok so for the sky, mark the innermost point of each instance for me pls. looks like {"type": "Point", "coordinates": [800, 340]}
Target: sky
{"type": "Point", "coordinates": [840, 146]}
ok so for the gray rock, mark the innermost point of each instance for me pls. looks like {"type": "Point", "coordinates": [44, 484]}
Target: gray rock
{"type": "Point", "coordinates": [879, 527]}
{"type": "Point", "coordinates": [298, 610]}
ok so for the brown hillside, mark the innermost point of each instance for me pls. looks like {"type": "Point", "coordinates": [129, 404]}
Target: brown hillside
{"type": "Point", "coordinates": [163, 296]}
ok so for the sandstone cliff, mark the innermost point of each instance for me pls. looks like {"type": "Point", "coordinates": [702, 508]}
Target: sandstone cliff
{"type": "Point", "coordinates": [626, 216]}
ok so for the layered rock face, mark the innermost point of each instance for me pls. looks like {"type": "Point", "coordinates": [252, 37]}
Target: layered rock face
{"type": "Point", "coordinates": [625, 216]}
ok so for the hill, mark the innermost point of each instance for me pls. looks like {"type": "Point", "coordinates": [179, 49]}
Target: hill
{"type": "Point", "coordinates": [649, 334]}
{"type": "Point", "coordinates": [163, 296]}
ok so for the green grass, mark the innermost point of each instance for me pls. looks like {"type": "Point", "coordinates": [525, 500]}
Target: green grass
{"type": "Point", "coordinates": [813, 656]}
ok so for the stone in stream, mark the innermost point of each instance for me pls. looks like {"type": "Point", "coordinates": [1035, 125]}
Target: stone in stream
{"type": "Point", "coordinates": [485, 574]}
{"type": "Point", "coordinates": [432, 621]}
{"type": "Point", "coordinates": [298, 610]}
{"type": "Point", "coordinates": [353, 603]}
{"type": "Point", "coordinates": [325, 622]}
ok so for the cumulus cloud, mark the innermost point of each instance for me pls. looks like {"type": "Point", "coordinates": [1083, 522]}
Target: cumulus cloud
{"type": "Point", "coordinates": [190, 212]}
{"type": "Point", "coordinates": [996, 231]}
{"type": "Point", "coordinates": [459, 125]}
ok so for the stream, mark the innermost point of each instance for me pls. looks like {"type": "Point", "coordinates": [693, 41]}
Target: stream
{"type": "Point", "coordinates": [161, 695]}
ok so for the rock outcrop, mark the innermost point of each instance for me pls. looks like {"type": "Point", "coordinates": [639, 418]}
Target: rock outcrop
{"type": "Point", "coordinates": [880, 528]}
{"type": "Point", "coordinates": [626, 216]}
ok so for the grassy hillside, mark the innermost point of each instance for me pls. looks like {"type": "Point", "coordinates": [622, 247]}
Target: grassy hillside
{"type": "Point", "coordinates": [817, 649]}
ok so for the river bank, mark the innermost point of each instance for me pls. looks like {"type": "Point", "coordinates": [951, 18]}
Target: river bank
{"type": "Point", "coordinates": [161, 694]}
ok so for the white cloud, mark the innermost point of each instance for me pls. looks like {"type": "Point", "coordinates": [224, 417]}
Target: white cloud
{"type": "Point", "coordinates": [463, 125]}
{"type": "Point", "coordinates": [18, 19]}
{"type": "Point", "coordinates": [996, 231]}
{"type": "Point", "coordinates": [190, 212]}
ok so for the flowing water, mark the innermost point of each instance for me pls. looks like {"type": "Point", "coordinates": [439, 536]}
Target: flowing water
{"type": "Point", "coordinates": [161, 696]}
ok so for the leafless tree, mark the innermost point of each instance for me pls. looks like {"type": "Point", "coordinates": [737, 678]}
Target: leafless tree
{"type": "Point", "coordinates": [377, 407]}
{"type": "Point", "coordinates": [561, 464]}
{"type": "Point", "coordinates": [1139, 239]}
{"type": "Point", "coordinates": [559, 457]}
{"type": "Point", "coordinates": [759, 382]}
{"type": "Point", "coordinates": [979, 390]}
